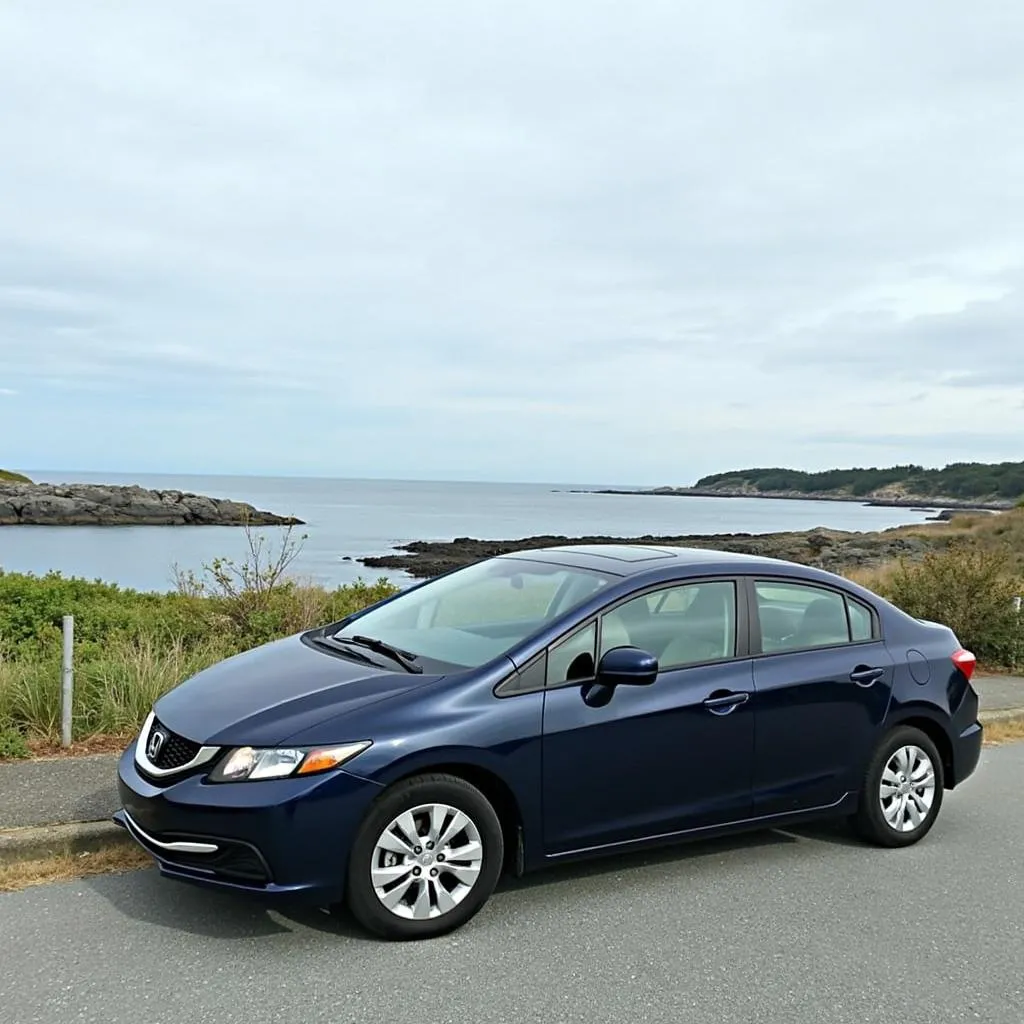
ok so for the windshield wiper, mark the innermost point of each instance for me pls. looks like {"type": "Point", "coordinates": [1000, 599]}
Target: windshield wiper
{"type": "Point", "coordinates": [404, 658]}
{"type": "Point", "coordinates": [331, 641]}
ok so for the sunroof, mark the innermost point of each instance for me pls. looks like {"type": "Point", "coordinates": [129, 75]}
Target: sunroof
{"type": "Point", "coordinates": [618, 552]}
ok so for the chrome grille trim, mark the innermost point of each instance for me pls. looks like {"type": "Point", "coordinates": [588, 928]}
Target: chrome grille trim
{"type": "Point", "coordinates": [176, 847]}
{"type": "Point", "coordinates": [203, 755]}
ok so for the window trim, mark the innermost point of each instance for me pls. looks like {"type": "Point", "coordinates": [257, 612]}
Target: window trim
{"type": "Point", "coordinates": [755, 639]}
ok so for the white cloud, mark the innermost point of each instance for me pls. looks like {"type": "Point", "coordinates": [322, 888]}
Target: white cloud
{"type": "Point", "coordinates": [572, 241]}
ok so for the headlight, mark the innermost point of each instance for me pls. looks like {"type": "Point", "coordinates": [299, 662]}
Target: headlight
{"type": "Point", "coordinates": [249, 764]}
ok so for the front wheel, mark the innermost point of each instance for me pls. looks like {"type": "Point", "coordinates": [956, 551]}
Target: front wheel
{"type": "Point", "coordinates": [902, 790]}
{"type": "Point", "coordinates": [426, 859]}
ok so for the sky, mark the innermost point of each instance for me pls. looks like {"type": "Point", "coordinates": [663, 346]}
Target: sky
{"type": "Point", "coordinates": [583, 241]}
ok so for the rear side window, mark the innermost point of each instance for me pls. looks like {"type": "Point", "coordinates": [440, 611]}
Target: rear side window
{"type": "Point", "coordinates": [862, 625]}
{"type": "Point", "coordinates": [797, 617]}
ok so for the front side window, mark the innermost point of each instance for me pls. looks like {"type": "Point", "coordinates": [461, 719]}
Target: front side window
{"type": "Point", "coordinates": [683, 625]}
{"type": "Point", "coordinates": [573, 657]}
{"type": "Point", "coordinates": [471, 616]}
{"type": "Point", "coordinates": [797, 616]}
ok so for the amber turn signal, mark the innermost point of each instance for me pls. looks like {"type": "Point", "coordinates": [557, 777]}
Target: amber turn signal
{"type": "Point", "coordinates": [325, 758]}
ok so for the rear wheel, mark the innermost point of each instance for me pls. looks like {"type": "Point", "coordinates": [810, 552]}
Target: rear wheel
{"type": "Point", "coordinates": [902, 789]}
{"type": "Point", "coordinates": [426, 859]}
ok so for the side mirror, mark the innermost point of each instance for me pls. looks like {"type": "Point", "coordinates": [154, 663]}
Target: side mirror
{"type": "Point", "coordinates": [627, 666]}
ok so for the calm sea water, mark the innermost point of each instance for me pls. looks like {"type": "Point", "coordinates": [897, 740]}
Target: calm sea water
{"type": "Point", "coordinates": [353, 518]}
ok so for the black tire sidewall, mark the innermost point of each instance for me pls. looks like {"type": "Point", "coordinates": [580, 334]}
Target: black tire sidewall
{"type": "Point", "coordinates": [362, 901]}
{"type": "Point", "coordinates": [870, 820]}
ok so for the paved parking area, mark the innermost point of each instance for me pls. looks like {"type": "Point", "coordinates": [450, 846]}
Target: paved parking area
{"type": "Point", "coordinates": [804, 927]}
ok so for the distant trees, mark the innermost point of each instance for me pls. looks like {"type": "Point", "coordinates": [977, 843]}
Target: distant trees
{"type": "Point", "coordinates": [966, 480]}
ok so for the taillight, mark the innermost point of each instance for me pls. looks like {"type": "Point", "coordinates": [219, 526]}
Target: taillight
{"type": "Point", "coordinates": [965, 661]}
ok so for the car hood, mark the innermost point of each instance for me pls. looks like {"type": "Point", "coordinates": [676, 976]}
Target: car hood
{"type": "Point", "coordinates": [263, 696]}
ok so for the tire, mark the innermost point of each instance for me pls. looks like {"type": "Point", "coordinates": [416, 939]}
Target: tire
{"type": "Point", "coordinates": [903, 800]}
{"type": "Point", "coordinates": [431, 892]}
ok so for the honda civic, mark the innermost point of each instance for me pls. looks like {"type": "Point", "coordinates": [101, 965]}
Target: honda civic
{"type": "Point", "coordinates": [544, 706]}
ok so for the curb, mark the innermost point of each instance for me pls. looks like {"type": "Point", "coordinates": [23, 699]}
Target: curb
{"type": "Point", "coordinates": [1000, 715]}
{"type": "Point", "coordinates": [43, 841]}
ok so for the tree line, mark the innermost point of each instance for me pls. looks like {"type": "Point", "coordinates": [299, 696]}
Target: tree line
{"type": "Point", "coordinates": [967, 480]}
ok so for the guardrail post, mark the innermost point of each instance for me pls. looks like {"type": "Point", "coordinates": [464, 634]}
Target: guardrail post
{"type": "Point", "coordinates": [67, 681]}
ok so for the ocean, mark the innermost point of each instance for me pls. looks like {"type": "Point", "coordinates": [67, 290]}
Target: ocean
{"type": "Point", "coordinates": [348, 519]}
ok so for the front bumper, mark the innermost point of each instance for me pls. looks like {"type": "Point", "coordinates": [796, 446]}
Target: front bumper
{"type": "Point", "coordinates": [278, 838]}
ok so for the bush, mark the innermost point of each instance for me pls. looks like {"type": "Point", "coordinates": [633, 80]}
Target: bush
{"type": "Point", "coordinates": [131, 647]}
{"type": "Point", "coordinates": [12, 744]}
{"type": "Point", "coordinates": [969, 589]}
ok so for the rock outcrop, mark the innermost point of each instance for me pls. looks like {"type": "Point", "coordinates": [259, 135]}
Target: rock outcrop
{"type": "Point", "coordinates": [103, 505]}
{"type": "Point", "coordinates": [878, 499]}
{"type": "Point", "coordinates": [833, 550]}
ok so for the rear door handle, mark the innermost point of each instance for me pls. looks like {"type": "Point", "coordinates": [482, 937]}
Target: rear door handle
{"type": "Point", "coordinates": [866, 676]}
{"type": "Point", "coordinates": [724, 703]}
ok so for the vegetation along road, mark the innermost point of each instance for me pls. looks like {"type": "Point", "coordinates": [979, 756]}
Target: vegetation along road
{"type": "Point", "coordinates": [800, 927]}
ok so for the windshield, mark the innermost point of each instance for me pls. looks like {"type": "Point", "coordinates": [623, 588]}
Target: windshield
{"type": "Point", "coordinates": [477, 613]}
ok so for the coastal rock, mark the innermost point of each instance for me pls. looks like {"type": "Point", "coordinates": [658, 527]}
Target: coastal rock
{"type": "Point", "coordinates": [880, 499]}
{"type": "Point", "coordinates": [833, 550]}
{"type": "Point", "coordinates": [107, 505]}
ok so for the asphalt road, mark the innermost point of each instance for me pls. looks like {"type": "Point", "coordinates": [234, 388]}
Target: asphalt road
{"type": "Point", "coordinates": [799, 927]}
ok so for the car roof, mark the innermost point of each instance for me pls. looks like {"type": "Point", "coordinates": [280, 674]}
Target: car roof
{"type": "Point", "coordinates": [633, 559]}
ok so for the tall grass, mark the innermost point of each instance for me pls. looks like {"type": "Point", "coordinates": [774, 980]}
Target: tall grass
{"type": "Point", "coordinates": [132, 647]}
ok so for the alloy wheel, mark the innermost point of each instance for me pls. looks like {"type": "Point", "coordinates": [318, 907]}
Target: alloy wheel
{"type": "Point", "coordinates": [906, 790]}
{"type": "Point", "coordinates": [427, 861]}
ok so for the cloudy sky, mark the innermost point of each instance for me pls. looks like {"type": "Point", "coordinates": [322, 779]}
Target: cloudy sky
{"type": "Point", "coordinates": [574, 241]}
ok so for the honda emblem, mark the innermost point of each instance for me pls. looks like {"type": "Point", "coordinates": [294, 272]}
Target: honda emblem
{"type": "Point", "coordinates": [157, 738]}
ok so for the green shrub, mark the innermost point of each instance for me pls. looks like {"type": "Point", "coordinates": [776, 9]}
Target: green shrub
{"type": "Point", "coordinates": [971, 590]}
{"type": "Point", "coordinates": [131, 647]}
{"type": "Point", "coordinates": [12, 744]}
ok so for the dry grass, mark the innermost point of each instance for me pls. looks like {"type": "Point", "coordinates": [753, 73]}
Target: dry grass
{"type": "Point", "coordinates": [102, 743]}
{"type": "Point", "coordinates": [1006, 730]}
{"type": "Point", "coordinates": [66, 866]}
{"type": "Point", "coordinates": [1003, 531]}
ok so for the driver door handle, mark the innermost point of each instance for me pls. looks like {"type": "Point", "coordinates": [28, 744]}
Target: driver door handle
{"type": "Point", "coordinates": [726, 702]}
{"type": "Point", "coordinates": [864, 676]}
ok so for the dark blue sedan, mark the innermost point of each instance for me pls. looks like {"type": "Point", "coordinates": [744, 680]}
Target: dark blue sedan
{"type": "Point", "coordinates": [543, 706]}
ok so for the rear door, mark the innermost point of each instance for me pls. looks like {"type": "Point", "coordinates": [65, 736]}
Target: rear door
{"type": "Point", "coordinates": [823, 681]}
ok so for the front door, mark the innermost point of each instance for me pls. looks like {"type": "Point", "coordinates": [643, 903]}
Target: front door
{"type": "Point", "coordinates": [655, 760]}
{"type": "Point", "coordinates": [823, 685]}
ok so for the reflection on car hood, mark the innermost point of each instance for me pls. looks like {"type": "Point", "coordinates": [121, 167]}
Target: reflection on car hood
{"type": "Point", "coordinates": [265, 695]}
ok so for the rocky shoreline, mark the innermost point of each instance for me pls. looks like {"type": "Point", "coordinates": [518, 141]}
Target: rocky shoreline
{"type": "Point", "coordinates": [102, 505]}
{"type": "Point", "coordinates": [917, 502]}
{"type": "Point", "coordinates": [833, 550]}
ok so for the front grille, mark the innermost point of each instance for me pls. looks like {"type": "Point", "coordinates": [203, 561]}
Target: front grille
{"type": "Point", "coordinates": [175, 751]}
